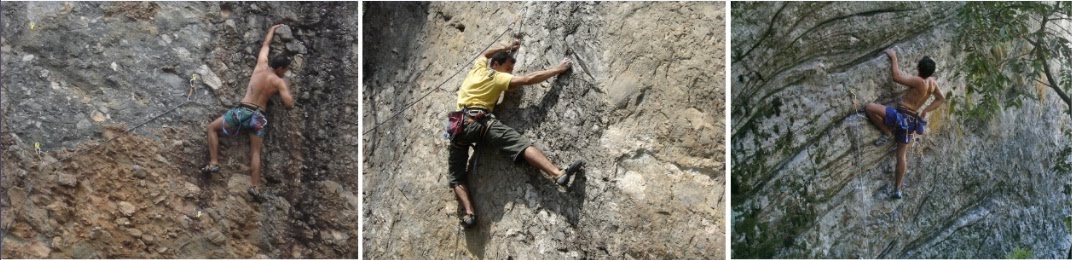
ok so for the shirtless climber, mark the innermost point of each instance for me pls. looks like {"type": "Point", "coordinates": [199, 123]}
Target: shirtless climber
{"type": "Point", "coordinates": [489, 77]}
{"type": "Point", "coordinates": [267, 80]}
{"type": "Point", "coordinates": [901, 122]}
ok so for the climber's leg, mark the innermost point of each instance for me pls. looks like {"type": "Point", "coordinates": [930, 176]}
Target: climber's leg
{"type": "Point", "coordinates": [902, 165]}
{"type": "Point", "coordinates": [255, 143]}
{"type": "Point", "coordinates": [512, 144]}
{"type": "Point", "coordinates": [469, 219]}
{"type": "Point", "coordinates": [457, 158]}
{"type": "Point", "coordinates": [536, 158]}
{"type": "Point", "coordinates": [877, 113]}
{"type": "Point", "coordinates": [213, 145]}
{"type": "Point", "coordinates": [462, 193]}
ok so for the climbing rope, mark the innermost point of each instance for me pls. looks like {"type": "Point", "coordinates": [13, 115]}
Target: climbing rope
{"type": "Point", "coordinates": [438, 87]}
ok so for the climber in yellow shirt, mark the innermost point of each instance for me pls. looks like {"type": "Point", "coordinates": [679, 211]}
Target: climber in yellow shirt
{"type": "Point", "coordinates": [486, 80]}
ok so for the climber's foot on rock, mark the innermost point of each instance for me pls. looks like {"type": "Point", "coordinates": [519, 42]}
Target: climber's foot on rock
{"type": "Point", "coordinates": [468, 220]}
{"type": "Point", "coordinates": [572, 169]}
{"type": "Point", "coordinates": [211, 168]}
{"type": "Point", "coordinates": [255, 195]}
{"type": "Point", "coordinates": [883, 140]}
{"type": "Point", "coordinates": [897, 195]}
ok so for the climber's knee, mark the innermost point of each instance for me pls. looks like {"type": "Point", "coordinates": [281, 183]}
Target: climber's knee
{"type": "Point", "coordinates": [875, 108]}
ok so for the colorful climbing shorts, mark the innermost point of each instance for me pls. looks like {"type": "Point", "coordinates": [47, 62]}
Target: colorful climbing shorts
{"type": "Point", "coordinates": [487, 131]}
{"type": "Point", "coordinates": [244, 118]}
{"type": "Point", "coordinates": [903, 124]}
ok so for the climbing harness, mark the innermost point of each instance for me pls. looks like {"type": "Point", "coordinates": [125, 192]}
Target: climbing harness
{"type": "Point", "coordinates": [458, 120]}
{"type": "Point", "coordinates": [438, 87]}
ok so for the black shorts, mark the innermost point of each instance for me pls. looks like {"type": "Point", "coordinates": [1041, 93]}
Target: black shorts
{"type": "Point", "coordinates": [488, 131]}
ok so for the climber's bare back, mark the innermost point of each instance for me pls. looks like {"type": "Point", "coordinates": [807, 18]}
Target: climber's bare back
{"type": "Point", "coordinates": [919, 90]}
{"type": "Point", "coordinates": [262, 85]}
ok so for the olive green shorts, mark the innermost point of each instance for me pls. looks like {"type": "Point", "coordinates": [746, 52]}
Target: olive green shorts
{"type": "Point", "coordinates": [489, 131]}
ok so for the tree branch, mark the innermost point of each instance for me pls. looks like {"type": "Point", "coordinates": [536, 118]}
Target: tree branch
{"type": "Point", "coordinates": [1046, 68]}
{"type": "Point", "coordinates": [1043, 82]}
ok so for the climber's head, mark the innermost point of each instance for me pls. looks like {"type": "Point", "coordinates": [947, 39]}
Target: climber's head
{"type": "Point", "coordinates": [925, 67]}
{"type": "Point", "coordinates": [279, 65]}
{"type": "Point", "coordinates": [502, 62]}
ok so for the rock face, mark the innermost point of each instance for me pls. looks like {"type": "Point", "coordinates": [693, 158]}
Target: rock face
{"type": "Point", "coordinates": [643, 105]}
{"type": "Point", "coordinates": [807, 182]}
{"type": "Point", "coordinates": [75, 74]}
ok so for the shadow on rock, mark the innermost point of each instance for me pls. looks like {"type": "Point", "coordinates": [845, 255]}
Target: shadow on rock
{"type": "Point", "coordinates": [496, 188]}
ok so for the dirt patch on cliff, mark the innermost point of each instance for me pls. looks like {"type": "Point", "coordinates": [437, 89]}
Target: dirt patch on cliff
{"type": "Point", "coordinates": [133, 10]}
{"type": "Point", "coordinates": [126, 196]}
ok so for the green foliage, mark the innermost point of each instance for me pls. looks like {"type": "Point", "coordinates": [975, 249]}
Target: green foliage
{"type": "Point", "coordinates": [1021, 253]}
{"type": "Point", "coordinates": [1004, 45]}
{"type": "Point", "coordinates": [1062, 163]}
{"type": "Point", "coordinates": [1068, 223]}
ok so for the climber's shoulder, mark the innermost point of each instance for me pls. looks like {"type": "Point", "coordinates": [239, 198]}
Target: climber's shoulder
{"type": "Point", "coordinates": [933, 83]}
{"type": "Point", "coordinates": [914, 81]}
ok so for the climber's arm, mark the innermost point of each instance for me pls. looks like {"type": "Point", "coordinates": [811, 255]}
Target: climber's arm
{"type": "Point", "coordinates": [939, 99]}
{"type": "Point", "coordinates": [502, 47]}
{"type": "Point", "coordinates": [535, 77]}
{"type": "Point", "coordinates": [901, 77]}
{"type": "Point", "coordinates": [540, 76]}
{"type": "Point", "coordinates": [262, 57]}
{"type": "Point", "coordinates": [284, 94]}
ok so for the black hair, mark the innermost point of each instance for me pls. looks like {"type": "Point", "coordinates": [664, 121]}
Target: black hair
{"type": "Point", "coordinates": [501, 57]}
{"type": "Point", "coordinates": [926, 67]}
{"type": "Point", "coordinates": [279, 62]}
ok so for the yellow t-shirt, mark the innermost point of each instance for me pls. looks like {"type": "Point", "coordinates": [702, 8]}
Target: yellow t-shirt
{"type": "Point", "coordinates": [482, 86]}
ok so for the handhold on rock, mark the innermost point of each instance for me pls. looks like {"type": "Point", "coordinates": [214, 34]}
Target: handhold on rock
{"type": "Point", "coordinates": [296, 47]}
{"type": "Point", "coordinates": [284, 33]}
{"type": "Point", "coordinates": [138, 171]}
{"type": "Point", "coordinates": [126, 208]}
{"type": "Point", "coordinates": [209, 77]}
{"type": "Point", "coordinates": [68, 180]}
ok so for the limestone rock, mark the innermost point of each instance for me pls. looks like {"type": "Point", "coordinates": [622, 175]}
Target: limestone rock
{"type": "Point", "coordinates": [582, 114]}
{"type": "Point", "coordinates": [284, 33]}
{"type": "Point", "coordinates": [68, 180]}
{"type": "Point", "coordinates": [209, 77]}
{"type": "Point", "coordinates": [191, 190]}
{"type": "Point", "coordinates": [807, 180]}
{"type": "Point", "coordinates": [126, 208]}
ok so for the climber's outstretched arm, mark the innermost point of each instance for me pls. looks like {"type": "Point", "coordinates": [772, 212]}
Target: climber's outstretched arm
{"type": "Point", "coordinates": [262, 57]}
{"type": "Point", "coordinates": [540, 76]}
{"type": "Point", "coordinates": [502, 47]}
{"type": "Point", "coordinates": [901, 77]}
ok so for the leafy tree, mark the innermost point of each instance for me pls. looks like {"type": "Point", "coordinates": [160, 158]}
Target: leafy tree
{"type": "Point", "coordinates": [1009, 46]}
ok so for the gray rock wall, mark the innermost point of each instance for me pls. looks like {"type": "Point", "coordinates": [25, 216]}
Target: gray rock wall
{"type": "Point", "coordinates": [73, 70]}
{"type": "Point", "coordinates": [807, 181]}
{"type": "Point", "coordinates": [643, 105]}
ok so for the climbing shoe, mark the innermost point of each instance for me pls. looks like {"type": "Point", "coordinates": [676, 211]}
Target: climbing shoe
{"type": "Point", "coordinates": [897, 195]}
{"type": "Point", "coordinates": [883, 140]}
{"type": "Point", "coordinates": [468, 220]}
{"type": "Point", "coordinates": [572, 169]}
{"type": "Point", "coordinates": [211, 168]}
{"type": "Point", "coordinates": [256, 196]}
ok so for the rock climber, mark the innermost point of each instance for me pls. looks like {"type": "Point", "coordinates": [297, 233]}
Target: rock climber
{"type": "Point", "coordinates": [899, 123]}
{"type": "Point", "coordinates": [267, 80]}
{"type": "Point", "coordinates": [486, 80]}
